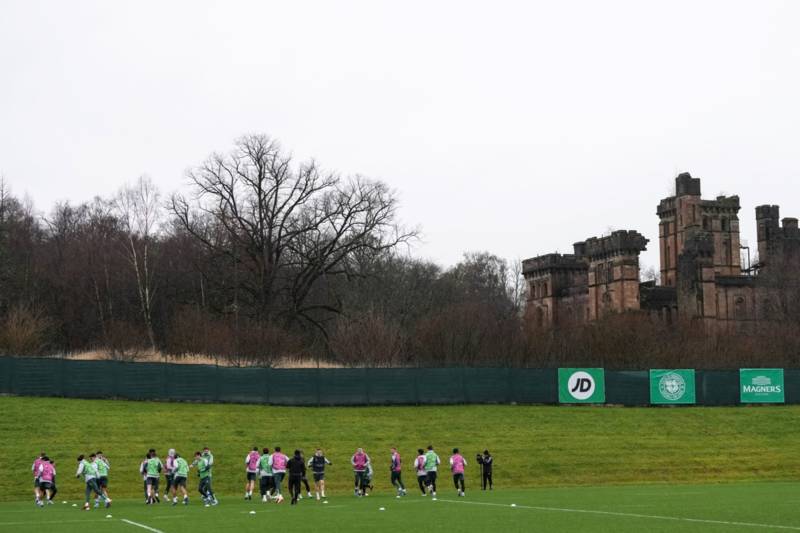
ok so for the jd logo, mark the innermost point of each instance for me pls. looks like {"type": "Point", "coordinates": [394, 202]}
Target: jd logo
{"type": "Point", "coordinates": [581, 385]}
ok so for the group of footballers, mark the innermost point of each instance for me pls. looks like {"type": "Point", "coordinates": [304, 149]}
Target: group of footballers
{"type": "Point", "coordinates": [269, 468]}
{"type": "Point", "coordinates": [176, 473]}
{"type": "Point", "coordinates": [94, 470]}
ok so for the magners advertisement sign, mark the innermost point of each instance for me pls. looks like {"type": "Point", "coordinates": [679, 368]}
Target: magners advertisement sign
{"type": "Point", "coordinates": [761, 385]}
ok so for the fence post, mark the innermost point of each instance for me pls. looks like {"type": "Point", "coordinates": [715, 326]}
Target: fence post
{"type": "Point", "coordinates": [366, 386]}
{"type": "Point", "coordinates": [216, 381]}
{"type": "Point", "coordinates": [318, 383]}
{"type": "Point", "coordinates": [511, 391]}
{"type": "Point", "coordinates": [417, 372]}
{"type": "Point", "coordinates": [164, 388]}
{"type": "Point", "coordinates": [63, 371]}
{"type": "Point", "coordinates": [268, 381]}
{"type": "Point", "coordinates": [12, 371]}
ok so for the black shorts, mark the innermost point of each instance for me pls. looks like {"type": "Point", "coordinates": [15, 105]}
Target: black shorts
{"type": "Point", "coordinates": [36, 482]}
{"type": "Point", "coordinates": [179, 481]}
{"type": "Point", "coordinates": [319, 476]}
{"type": "Point", "coordinates": [395, 476]}
{"type": "Point", "coordinates": [431, 477]}
{"type": "Point", "coordinates": [169, 478]}
{"type": "Point", "coordinates": [151, 481]}
{"type": "Point", "coordinates": [45, 485]}
{"type": "Point", "coordinates": [102, 482]}
{"type": "Point", "coordinates": [251, 476]}
{"type": "Point", "coordinates": [457, 477]}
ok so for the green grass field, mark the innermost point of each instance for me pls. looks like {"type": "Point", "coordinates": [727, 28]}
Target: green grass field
{"type": "Point", "coordinates": [706, 508]}
{"type": "Point", "coordinates": [565, 468]}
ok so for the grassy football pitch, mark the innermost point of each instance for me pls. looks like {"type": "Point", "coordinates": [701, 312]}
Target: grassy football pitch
{"type": "Point", "coordinates": [707, 508]}
{"type": "Point", "coordinates": [563, 468]}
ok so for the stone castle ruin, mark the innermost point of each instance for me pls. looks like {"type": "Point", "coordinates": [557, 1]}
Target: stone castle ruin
{"type": "Point", "coordinates": [702, 276]}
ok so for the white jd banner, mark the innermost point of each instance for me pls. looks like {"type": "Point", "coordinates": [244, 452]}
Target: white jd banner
{"type": "Point", "coordinates": [581, 385]}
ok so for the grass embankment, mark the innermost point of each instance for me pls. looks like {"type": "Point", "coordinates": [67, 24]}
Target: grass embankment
{"type": "Point", "coordinates": [533, 445]}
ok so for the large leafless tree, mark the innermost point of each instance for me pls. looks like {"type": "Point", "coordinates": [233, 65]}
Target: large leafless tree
{"type": "Point", "coordinates": [285, 227]}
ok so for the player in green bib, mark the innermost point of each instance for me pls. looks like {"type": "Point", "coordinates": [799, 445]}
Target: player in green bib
{"type": "Point", "coordinates": [103, 466]}
{"type": "Point", "coordinates": [153, 470]}
{"type": "Point", "coordinates": [89, 471]}
{"type": "Point", "coordinates": [432, 462]}
{"type": "Point", "coordinates": [179, 481]}
{"type": "Point", "coordinates": [266, 479]}
{"type": "Point", "coordinates": [204, 473]}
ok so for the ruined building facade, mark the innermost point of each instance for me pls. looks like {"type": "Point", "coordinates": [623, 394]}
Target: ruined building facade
{"type": "Point", "coordinates": [702, 276]}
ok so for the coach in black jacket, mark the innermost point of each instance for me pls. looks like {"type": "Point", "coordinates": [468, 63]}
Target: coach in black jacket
{"type": "Point", "coordinates": [485, 461]}
{"type": "Point", "coordinates": [297, 471]}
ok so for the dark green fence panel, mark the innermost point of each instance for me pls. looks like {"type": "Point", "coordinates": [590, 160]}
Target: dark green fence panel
{"type": "Point", "coordinates": [717, 387]}
{"type": "Point", "coordinates": [362, 386]}
{"type": "Point", "coordinates": [242, 385]}
{"type": "Point", "coordinates": [141, 381]}
{"type": "Point", "coordinates": [440, 386]}
{"type": "Point", "coordinates": [791, 385]}
{"type": "Point", "coordinates": [628, 387]}
{"type": "Point", "coordinates": [485, 385]}
{"type": "Point", "coordinates": [37, 377]}
{"type": "Point", "coordinates": [533, 385]}
{"type": "Point", "coordinates": [89, 379]}
{"type": "Point", "coordinates": [293, 387]}
{"type": "Point", "coordinates": [343, 386]}
{"type": "Point", "coordinates": [6, 372]}
{"type": "Point", "coordinates": [392, 386]}
{"type": "Point", "coordinates": [191, 382]}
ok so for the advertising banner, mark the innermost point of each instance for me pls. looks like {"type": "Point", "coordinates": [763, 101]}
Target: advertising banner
{"type": "Point", "coordinates": [672, 386]}
{"type": "Point", "coordinates": [581, 385]}
{"type": "Point", "coordinates": [761, 385]}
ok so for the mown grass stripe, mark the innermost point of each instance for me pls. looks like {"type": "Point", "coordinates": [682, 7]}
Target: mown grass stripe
{"type": "Point", "coordinates": [627, 515]}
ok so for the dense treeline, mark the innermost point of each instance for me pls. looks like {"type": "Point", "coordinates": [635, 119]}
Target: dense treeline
{"type": "Point", "coordinates": [260, 258]}
{"type": "Point", "coordinates": [263, 258]}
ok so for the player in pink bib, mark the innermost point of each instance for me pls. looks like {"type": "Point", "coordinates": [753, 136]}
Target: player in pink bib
{"type": "Point", "coordinates": [457, 464]}
{"type": "Point", "coordinates": [360, 461]}
{"type": "Point", "coordinates": [47, 474]}
{"type": "Point", "coordinates": [37, 492]}
{"type": "Point", "coordinates": [251, 466]}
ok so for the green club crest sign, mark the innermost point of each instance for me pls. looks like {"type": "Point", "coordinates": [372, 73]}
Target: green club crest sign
{"type": "Point", "coordinates": [672, 386]}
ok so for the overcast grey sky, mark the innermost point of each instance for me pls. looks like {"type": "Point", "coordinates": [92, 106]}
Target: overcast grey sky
{"type": "Point", "coordinates": [513, 127]}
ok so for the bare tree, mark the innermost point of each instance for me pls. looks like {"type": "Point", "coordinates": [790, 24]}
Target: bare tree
{"type": "Point", "coordinates": [285, 228]}
{"type": "Point", "coordinates": [140, 211]}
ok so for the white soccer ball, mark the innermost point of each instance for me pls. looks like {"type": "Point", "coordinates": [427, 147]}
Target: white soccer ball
{"type": "Point", "coordinates": [434, 499]}
{"type": "Point", "coordinates": [513, 505]}
{"type": "Point", "coordinates": [108, 516]}
{"type": "Point", "coordinates": [326, 501]}
{"type": "Point", "coordinates": [74, 504]}
{"type": "Point", "coordinates": [252, 512]}
{"type": "Point", "coordinates": [382, 509]}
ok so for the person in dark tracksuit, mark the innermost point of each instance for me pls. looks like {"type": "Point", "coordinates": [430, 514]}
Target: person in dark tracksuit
{"type": "Point", "coordinates": [486, 469]}
{"type": "Point", "coordinates": [297, 471]}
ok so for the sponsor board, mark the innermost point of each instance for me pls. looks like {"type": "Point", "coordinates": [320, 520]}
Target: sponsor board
{"type": "Point", "coordinates": [761, 385]}
{"type": "Point", "coordinates": [581, 385]}
{"type": "Point", "coordinates": [672, 386]}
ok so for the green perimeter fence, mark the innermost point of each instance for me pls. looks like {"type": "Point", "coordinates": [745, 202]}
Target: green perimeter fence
{"type": "Point", "coordinates": [369, 386]}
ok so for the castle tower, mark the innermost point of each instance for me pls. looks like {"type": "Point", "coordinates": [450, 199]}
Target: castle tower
{"type": "Point", "coordinates": [767, 229]}
{"type": "Point", "coordinates": [686, 212]}
{"type": "Point", "coordinates": [614, 272]}
{"type": "Point", "coordinates": [552, 279]}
